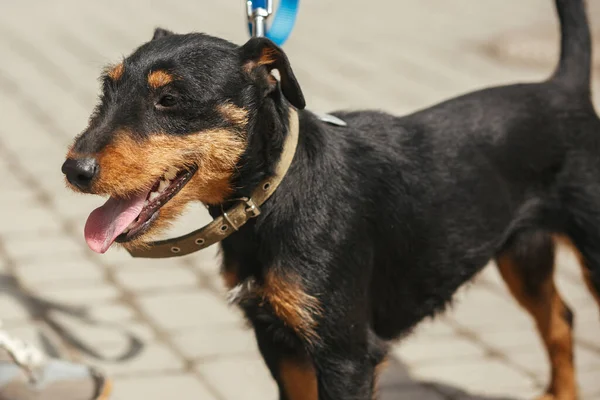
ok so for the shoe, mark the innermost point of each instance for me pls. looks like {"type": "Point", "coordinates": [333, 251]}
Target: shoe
{"type": "Point", "coordinates": [27, 374]}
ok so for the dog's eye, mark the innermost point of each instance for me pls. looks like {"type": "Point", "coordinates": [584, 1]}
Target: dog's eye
{"type": "Point", "coordinates": [166, 101]}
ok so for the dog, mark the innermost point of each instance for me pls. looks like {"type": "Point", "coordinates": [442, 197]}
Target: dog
{"type": "Point", "coordinates": [373, 226]}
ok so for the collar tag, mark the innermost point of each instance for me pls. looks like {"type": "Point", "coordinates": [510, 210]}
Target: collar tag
{"type": "Point", "coordinates": [331, 119]}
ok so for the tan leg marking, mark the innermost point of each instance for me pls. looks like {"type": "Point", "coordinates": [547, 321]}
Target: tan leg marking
{"type": "Point", "coordinates": [290, 302]}
{"type": "Point", "coordinates": [548, 309]}
{"type": "Point", "coordinates": [299, 380]}
{"type": "Point", "coordinates": [587, 275]}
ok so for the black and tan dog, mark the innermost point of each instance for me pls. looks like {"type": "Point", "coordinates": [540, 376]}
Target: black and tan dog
{"type": "Point", "coordinates": [375, 225]}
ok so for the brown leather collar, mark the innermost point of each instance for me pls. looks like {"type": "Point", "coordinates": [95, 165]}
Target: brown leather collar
{"type": "Point", "coordinates": [233, 218]}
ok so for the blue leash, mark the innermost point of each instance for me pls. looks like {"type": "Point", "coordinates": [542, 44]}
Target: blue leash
{"type": "Point", "coordinates": [283, 20]}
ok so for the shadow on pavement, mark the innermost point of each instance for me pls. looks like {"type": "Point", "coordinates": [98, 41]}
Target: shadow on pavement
{"type": "Point", "coordinates": [47, 311]}
{"type": "Point", "coordinates": [397, 384]}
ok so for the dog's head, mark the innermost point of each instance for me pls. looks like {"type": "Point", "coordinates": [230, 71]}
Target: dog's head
{"type": "Point", "coordinates": [178, 121]}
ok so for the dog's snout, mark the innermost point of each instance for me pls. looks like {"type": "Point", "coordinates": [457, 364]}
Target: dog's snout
{"type": "Point", "coordinates": [80, 172]}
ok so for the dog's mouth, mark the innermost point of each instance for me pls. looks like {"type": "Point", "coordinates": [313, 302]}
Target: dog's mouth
{"type": "Point", "coordinates": [125, 219]}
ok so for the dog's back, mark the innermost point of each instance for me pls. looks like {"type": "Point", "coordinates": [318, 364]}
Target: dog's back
{"type": "Point", "coordinates": [469, 175]}
{"type": "Point", "coordinates": [503, 173]}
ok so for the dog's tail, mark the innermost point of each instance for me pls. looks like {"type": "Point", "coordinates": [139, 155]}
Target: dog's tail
{"type": "Point", "coordinates": [574, 67]}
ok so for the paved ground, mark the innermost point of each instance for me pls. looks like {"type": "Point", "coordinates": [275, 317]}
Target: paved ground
{"type": "Point", "coordinates": [163, 327]}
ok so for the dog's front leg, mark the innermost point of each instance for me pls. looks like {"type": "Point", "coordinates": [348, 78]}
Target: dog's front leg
{"type": "Point", "coordinates": [315, 348]}
{"type": "Point", "coordinates": [335, 368]}
{"type": "Point", "coordinates": [291, 367]}
{"type": "Point", "coordinates": [345, 371]}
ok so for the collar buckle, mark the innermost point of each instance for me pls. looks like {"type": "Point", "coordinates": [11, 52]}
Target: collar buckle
{"type": "Point", "coordinates": [252, 209]}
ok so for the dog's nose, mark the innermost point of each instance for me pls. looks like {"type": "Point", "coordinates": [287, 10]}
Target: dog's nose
{"type": "Point", "coordinates": [80, 172]}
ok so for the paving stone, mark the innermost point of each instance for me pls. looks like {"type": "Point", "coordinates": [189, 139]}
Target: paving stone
{"type": "Point", "coordinates": [97, 333]}
{"type": "Point", "coordinates": [101, 293]}
{"type": "Point", "coordinates": [59, 272]}
{"type": "Point", "coordinates": [419, 350]}
{"type": "Point", "coordinates": [589, 384]}
{"type": "Point", "coordinates": [567, 263]}
{"type": "Point", "coordinates": [395, 374]}
{"type": "Point", "coordinates": [183, 386]}
{"type": "Point", "coordinates": [152, 358]}
{"type": "Point", "coordinates": [4, 268]}
{"type": "Point", "coordinates": [516, 338]}
{"type": "Point", "coordinates": [209, 342]}
{"type": "Point", "coordinates": [178, 311]}
{"type": "Point", "coordinates": [10, 181]}
{"type": "Point", "coordinates": [520, 395]}
{"type": "Point", "coordinates": [208, 260]}
{"type": "Point", "coordinates": [18, 108]}
{"type": "Point", "coordinates": [521, 339]}
{"type": "Point", "coordinates": [482, 310]}
{"type": "Point", "coordinates": [17, 197]}
{"type": "Point", "coordinates": [575, 294]}
{"type": "Point", "coordinates": [482, 376]}
{"type": "Point", "coordinates": [251, 376]}
{"type": "Point", "coordinates": [112, 312]}
{"type": "Point", "coordinates": [42, 246]}
{"type": "Point", "coordinates": [29, 219]}
{"type": "Point", "coordinates": [11, 309]}
{"type": "Point", "coordinates": [73, 205]}
{"type": "Point", "coordinates": [534, 359]}
{"type": "Point", "coordinates": [491, 277]}
{"type": "Point", "coordinates": [588, 317]}
{"type": "Point", "coordinates": [411, 392]}
{"type": "Point", "coordinates": [437, 328]}
{"type": "Point", "coordinates": [588, 332]}
{"type": "Point", "coordinates": [144, 278]}
{"type": "Point", "coordinates": [215, 282]}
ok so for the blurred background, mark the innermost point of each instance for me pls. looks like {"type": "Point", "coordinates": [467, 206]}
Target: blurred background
{"type": "Point", "coordinates": [162, 329]}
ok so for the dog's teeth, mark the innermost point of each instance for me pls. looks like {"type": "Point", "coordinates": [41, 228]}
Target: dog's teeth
{"type": "Point", "coordinates": [171, 174]}
{"type": "Point", "coordinates": [153, 196]}
{"type": "Point", "coordinates": [163, 185]}
{"type": "Point", "coordinates": [146, 203]}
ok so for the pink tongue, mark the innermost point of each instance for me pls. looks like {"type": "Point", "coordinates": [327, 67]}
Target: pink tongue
{"type": "Point", "coordinates": [107, 222]}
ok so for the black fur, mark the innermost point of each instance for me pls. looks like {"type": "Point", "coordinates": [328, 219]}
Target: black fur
{"type": "Point", "coordinates": [386, 218]}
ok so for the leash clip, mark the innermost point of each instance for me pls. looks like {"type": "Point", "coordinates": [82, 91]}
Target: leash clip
{"type": "Point", "coordinates": [257, 15]}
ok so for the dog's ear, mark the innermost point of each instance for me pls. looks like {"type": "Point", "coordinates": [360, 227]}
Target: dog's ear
{"type": "Point", "coordinates": [160, 32]}
{"type": "Point", "coordinates": [260, 53]}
